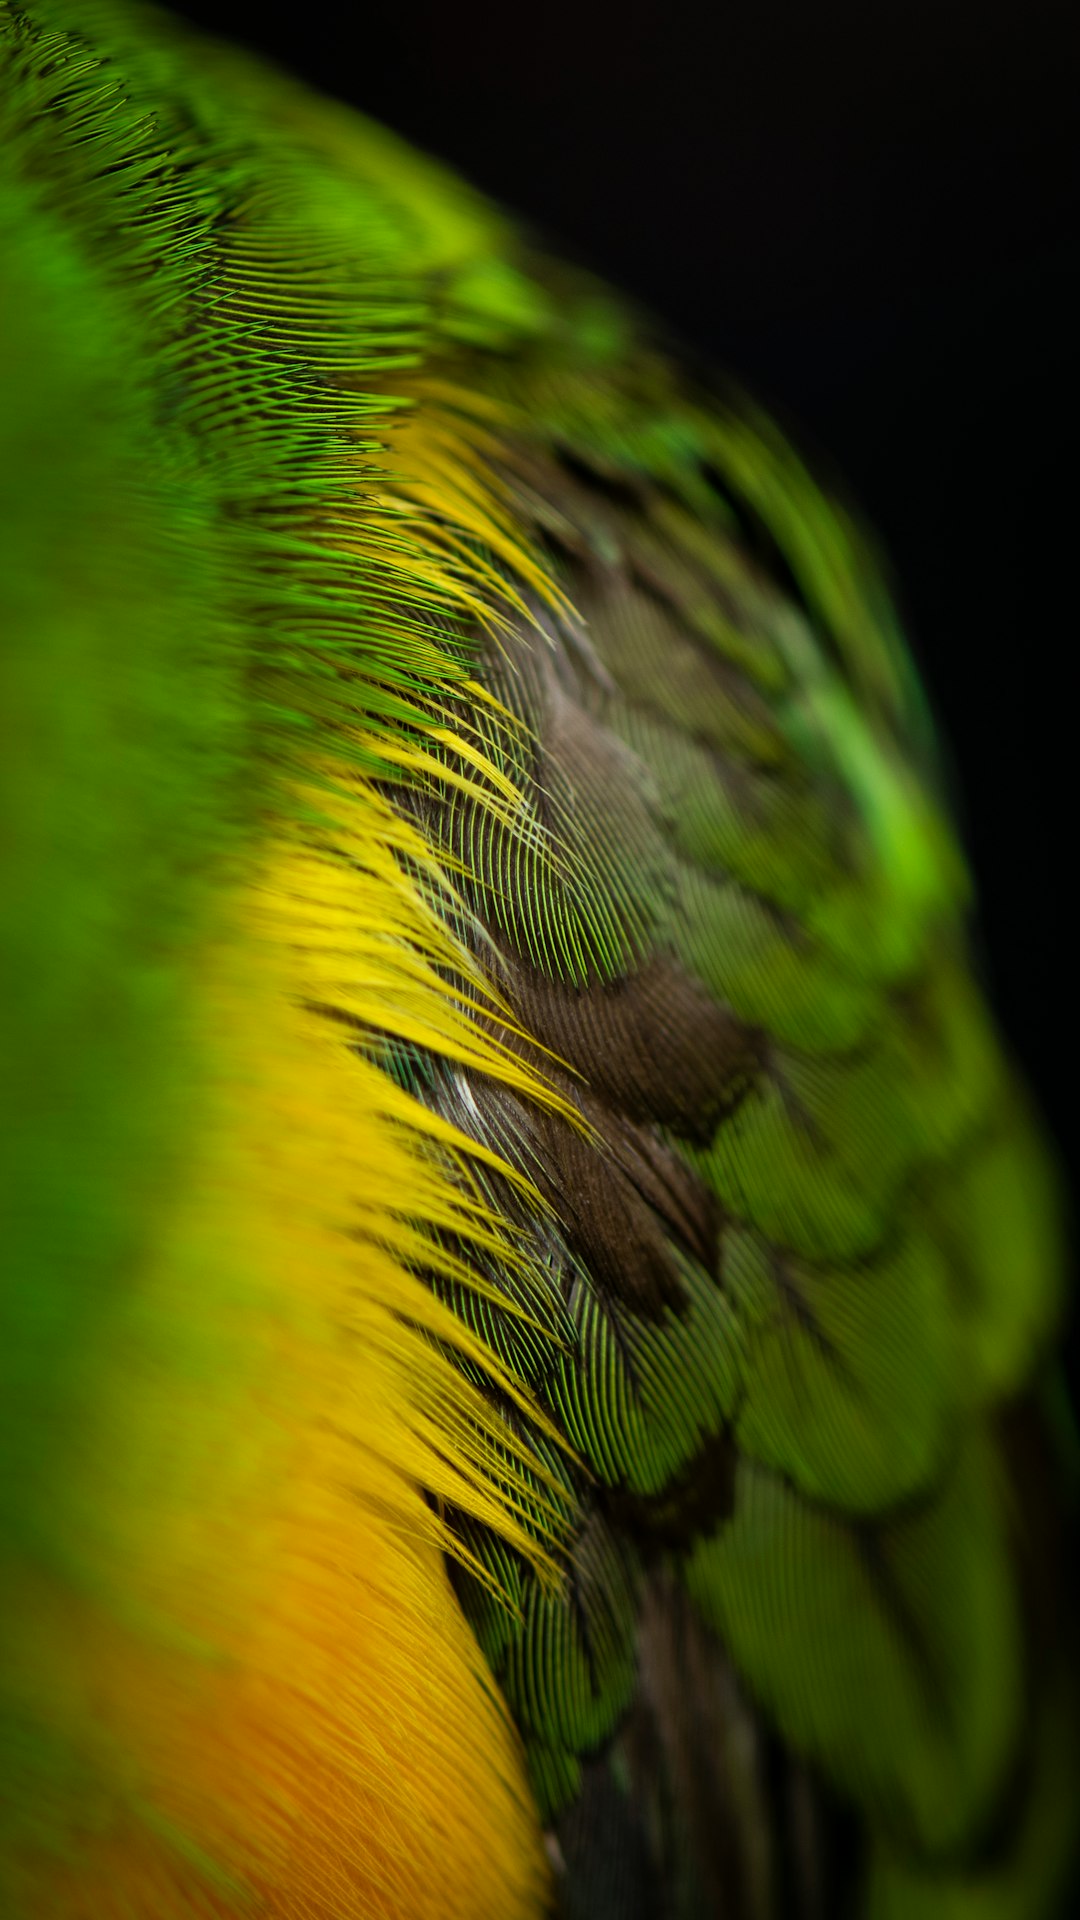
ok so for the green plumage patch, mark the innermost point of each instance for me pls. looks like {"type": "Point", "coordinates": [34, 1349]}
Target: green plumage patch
{"type": "Point", "coordinates": [119, 663]}
{"type": "Point", "coordinates": [638, 1399]}
{"type": "Point", "coordinates": [890, 1652]}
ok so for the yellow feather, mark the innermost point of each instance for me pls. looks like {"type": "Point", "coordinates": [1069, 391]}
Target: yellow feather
{"type": "Point", "coordinates": [270, 1697]}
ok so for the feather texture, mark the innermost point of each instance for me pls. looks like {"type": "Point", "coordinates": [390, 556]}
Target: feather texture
{"type": "Point", "coordinates": [547, 1204]}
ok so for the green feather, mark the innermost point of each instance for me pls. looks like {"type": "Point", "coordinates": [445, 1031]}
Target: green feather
{"type": "Point", "coordinates": [876, 1645]}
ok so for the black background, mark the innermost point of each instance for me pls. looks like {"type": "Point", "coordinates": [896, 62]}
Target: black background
{"type": "Point", "coordinates": [866, 210]}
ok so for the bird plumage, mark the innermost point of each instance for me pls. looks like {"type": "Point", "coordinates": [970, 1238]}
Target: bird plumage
{"type": "Point", "coordinates": [528, 1269]}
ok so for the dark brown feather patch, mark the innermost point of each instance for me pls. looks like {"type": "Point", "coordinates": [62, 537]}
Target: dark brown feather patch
{"type": "Point", "coordinates": [653, 1042]}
